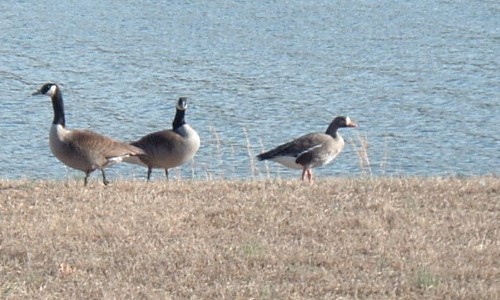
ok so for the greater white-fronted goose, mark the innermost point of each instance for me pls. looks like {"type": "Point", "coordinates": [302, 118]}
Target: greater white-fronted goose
{"type": "Point", "coordinates": [311, 150]}
{"type": "Point", "coordinates": [83, 150]}
{"type": "Point", "coordinates": [169, 148]}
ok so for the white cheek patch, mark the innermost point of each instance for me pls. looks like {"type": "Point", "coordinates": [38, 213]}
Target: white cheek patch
{"type": "Point", "coordinates": [52, 91]}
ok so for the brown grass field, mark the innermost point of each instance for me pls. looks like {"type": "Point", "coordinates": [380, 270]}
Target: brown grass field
{"type": "Point", "coordinates": [341, 238]}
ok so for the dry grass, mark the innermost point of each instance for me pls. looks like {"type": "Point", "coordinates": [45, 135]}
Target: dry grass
{"type": "Point", "coordinates": [362, 238]}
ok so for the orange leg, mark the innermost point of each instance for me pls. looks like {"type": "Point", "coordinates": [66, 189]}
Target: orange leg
{"type": "Point", "coordinates": [308, 173]}
{"type": "Point", "coordinates": [304, 171]}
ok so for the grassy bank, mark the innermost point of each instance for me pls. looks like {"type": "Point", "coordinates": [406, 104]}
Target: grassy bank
{"type": "Point", "coordinates": [391, 238]}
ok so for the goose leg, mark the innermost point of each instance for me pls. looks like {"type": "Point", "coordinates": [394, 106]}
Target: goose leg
{"type": "Point", "coordinates": [149, 172]}
{"type": "Point", "coordinates": [87, 173]}
{"type": "Point", "coordinates": [104, 180]}
{"type": "Point", "coordinates": [166, 173]}
{"type": "Point", "coordinates": [304, 171]}
{"type": "Point", "coordinates": [310, 175]}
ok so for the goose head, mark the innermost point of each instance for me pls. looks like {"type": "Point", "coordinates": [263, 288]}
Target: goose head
{"type": "Point", "coordinates": [52, 90]}
{"type": "Point", "coordinates": [343, 122]}
{"type": "Point", "coordinates": [182, 103]}
{"type": "Point", "coordinates": [339, 122]}
{"type": "Point", "coordinates": [49, 89]}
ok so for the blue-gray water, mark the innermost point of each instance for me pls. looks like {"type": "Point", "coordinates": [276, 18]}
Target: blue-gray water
{"type": "Point", "coordinates": [421, 78]}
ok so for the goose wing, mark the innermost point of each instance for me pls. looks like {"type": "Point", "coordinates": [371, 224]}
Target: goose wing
{"type": "Point", "coordinates": [100, 149]}
{"type": "Point", "coordinates": [160, 141]}
{"type": "Point", "coordinates": [326, 149]}
{"type": "Point", "coordinates": [294, 148]}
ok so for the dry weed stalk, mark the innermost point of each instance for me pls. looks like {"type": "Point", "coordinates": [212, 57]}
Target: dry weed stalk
{"type": "Point", "coordinates": [251, 158]}
{"type": "Point", "coordinates": [362, 153]}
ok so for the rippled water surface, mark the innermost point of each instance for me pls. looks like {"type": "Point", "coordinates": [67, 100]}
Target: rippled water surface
{"type": "Point", "coordinates": [420, 77]}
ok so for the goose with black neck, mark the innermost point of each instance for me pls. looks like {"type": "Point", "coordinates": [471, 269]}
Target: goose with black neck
{"type": "Point", "coordinates": [82, 150]}
{"type": "Point", "coordinates": [170, 148]}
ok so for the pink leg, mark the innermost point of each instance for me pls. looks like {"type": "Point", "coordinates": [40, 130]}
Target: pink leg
{"type": "Point", "coordinates": [310, 175]}
{"type": "Point", "coordinates": [304, 172]}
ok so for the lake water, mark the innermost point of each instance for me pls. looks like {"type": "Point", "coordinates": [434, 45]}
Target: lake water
{"type": "Point", "coordinates": [421, 78]}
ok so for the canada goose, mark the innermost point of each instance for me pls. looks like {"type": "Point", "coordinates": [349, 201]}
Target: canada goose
{"type": "Point", "coordinates": [311, 150]}
{"type": "Point", "coordinates": [169, 148]}
{"type": "Point", "coordinates": [83, 150]}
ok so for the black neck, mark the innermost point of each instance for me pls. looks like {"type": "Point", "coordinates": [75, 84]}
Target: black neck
{"type": "Point", "coordinates": [332, 130]}
{"type": "Point", "coordinates": [58, 106]}
{"type": "Point", "coordinates": [179, 119]}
